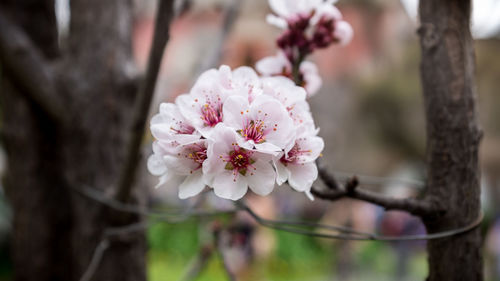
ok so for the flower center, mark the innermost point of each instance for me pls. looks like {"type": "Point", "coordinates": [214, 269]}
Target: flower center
{"type": "Point", "coordinates": [293, 155]}
{"type": "Point", "coordinates": [239, 160]}
{"type": "Point", "coordinates": [211, 114]}
{"type": "Point", "coordinates": [254, 130]}
{"type": "Point", "coordinates": [197, 153]}
{"type": "Point", "coordinates": [182, 128]}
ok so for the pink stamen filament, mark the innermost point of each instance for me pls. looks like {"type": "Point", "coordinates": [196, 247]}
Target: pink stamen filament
{"type": "Point", "coordinates": [211, 114]}
{"type": "Point", "coordinates": [198, 153]}
{"type": "Point", "coordinates": [254, 130]}
{"type": "Point", "coordinates": [293, 155]}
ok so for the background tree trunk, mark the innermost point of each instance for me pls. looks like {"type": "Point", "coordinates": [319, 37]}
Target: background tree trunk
{"type": "Point", "coordinates": [56, 229]}
{"type": "Point", "coordinates": [453, 137]}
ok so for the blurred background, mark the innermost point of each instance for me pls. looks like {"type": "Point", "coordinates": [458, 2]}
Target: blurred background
{"type": "Point", "coordinates": [370, 113]}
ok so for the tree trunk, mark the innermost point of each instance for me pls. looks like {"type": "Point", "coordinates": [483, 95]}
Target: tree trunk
{"type": "Point", "coordinates": [453, 137]}
{"type": "Point", "coordinates": [55, 229]}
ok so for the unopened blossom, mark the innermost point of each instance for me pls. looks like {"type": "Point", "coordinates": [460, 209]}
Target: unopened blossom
{"type": "Point", "coordinates": [308, 25]}
{"type": "Point", "coordinates": [232, 169]}
{"type": "Point", "coordinates": [297, 166]}
{"type": "Point", "coordinates": [263, 125]}
{"type": "Point", "coordinates": [279, 65]}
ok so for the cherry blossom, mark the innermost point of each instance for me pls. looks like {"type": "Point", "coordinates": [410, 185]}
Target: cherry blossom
{"type": "Point", "coordinates": [279, 65]}
{"type": "Point", "coordinates": [292, 97]}
{"type": "Point", "coordinates": [297, 166]}
{"type": "Point", "coordinates": [203, 105]}
{"type": "Point", "coordinates": [231, 169]}
{"type": "Point", "coordinates": [263, 125]}
{"type": "Point", "coordinates": [308, 25]}
{"type": "Point", "coordinates": [170, 128]}
{"type": "Point", "coordinates": [184, 165]}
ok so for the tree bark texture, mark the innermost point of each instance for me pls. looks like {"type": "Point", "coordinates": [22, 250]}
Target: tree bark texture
{"type": "Point", "coordinates": [55, 230]}
{"type": "Point", "coordinates": [453, 138]}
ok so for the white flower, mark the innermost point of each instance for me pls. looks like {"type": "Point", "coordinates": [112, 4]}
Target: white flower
{"type": "Point", "coordinates": [231, 169]}
{"type": "Point", "coordinates": [263, 125]}
{"type": "Point", "coordinates": [291, 96]}
{"type": "Point", "coordinates": [289, 10]}
{"type": "Point", "coordinates": [279, 65]}
{"type": "Point", "coordinates": [298, 166]}
{"type": "Point", "coordinates": [184, 165]}
{"type": "Point", "coordinates": [203, 105]}
{"type": "Point", "coordinates": [170, 128]}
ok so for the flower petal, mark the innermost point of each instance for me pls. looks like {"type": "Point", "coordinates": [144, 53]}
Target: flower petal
{"type": "Point", "coordinates": [156, 165]}
{"type": "Point", "coordinates": [302, 176]}
{"type": "Point", "coordinates": [228, 186]}
{"type": "Point", "coordinates": [192, 185]}
{"type": "Point", "coordinates": [261, 179]}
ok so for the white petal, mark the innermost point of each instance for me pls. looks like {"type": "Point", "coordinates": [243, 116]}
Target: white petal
{"type": "Point", "coordinates": [312, 145]}
{"type": "Point", "coordinates": [156, 165]}
{"type": "Point", "coordinates": [228, 186]}
{"type": "Point", "coordinates": [302, 176]}
{"type": "Point", "coordinates": [192, 185]}
{"type": "Point", "coordinates": [279, 7]}
{"type": "Point", "coordinates": [309, 195]}
{"type": "Point", "coordinates": [273, 65]}
{"type": "Point", "coordinates": [281, 171]}
{"type": "Point", "coordinates": [343, 32]}
{"type": "Point", "coordinates": [276, 21]}
{"type": "Point", "coordinates": [234, 111]}
{"type": "Point", "coordinates": [261, 177]}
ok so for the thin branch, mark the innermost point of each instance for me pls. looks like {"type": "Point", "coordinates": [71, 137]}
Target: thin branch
{"type": "Point", "coordinates": [29, 69]}
{"type": "Point", "coordinates": [96, 260]}
{"type": "Point", "coordinates": [161, 36]}
{"type": "Point", "coordinates": [297, 227]}
{"type": "Point", "coordinates": [351, 190]}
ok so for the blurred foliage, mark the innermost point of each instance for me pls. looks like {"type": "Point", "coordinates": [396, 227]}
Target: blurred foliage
{"type": "Point", "coordinates": [294, 257]}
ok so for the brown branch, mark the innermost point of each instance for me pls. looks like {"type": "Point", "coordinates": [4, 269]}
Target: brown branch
{"type": "Point", "coordinates": [335, 191]}
{"type": "Point", "coordinates": [164, 17]}
{"type": "Point", "coordinates": [27, 66]}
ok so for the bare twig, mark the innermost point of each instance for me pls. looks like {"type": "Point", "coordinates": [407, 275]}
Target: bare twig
{"type": "Point", "coordinates": [164, 17]}
{"type": "Point", "coordinates": [215, 55]}
{"type": "Point", "coordinates": [96, 260]}
{"type": "Point", "coordinates": [29, 69]}
{"type": "Point", "coordinates": [335, 191]}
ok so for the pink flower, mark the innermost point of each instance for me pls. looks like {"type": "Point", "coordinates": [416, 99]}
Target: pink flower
{"type": "Point", "coordinates": [170, 128]}
{"type": "Point", "coordinates": [289, 11]}
{"type": "Point", "coordinates": [298, 166]}
{"type": "Point", "coordinates": [203, 105]}
{"type": "Point", "coordinates": [231, 169]}
{"type": "Point", "coordinates": [184, 164]}
{"type": "Point", "coordinates": [279, 65]}
{"type": "Point", "coordinates": [263, 125]}
{"type": "Point", "coordinates": [309, 25]}
{"type": "Point", "coordinates": [292, 97]}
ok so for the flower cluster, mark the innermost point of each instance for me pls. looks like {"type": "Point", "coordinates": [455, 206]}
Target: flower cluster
{"type": "Point", "coordinates": [308, 25]}
{"type": "Point", "coordinates": [234, 131]}
{"type": "Point", "coordinates": [237, 130]}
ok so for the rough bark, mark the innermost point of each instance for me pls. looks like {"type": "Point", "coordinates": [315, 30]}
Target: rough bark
{"type": "Point", "coordinates": [453, 137]}
{"type": "Point", "coordinates": [55, 229]}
